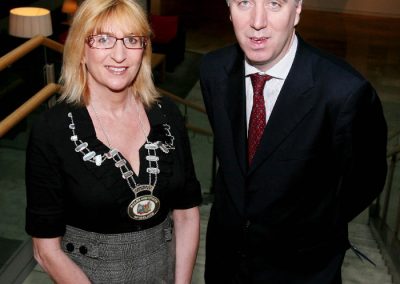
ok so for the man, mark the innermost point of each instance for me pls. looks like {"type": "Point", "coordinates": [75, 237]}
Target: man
{"type": "Point", "coordinates": [285, 192]}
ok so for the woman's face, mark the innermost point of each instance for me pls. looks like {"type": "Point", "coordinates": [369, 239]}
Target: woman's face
{"type": "Point", "coordinates": [112, 69]}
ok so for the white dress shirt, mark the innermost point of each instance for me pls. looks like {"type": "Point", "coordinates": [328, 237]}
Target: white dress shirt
{"type": "Point", "coordinates": [273, 86]}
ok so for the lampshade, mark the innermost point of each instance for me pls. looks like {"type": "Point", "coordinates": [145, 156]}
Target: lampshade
{"type": "Point", "coordinates": [27, 22]}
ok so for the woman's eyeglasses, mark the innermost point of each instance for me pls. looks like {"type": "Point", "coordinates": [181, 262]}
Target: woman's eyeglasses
{"type": "Point", "coordinates": [108, 41]}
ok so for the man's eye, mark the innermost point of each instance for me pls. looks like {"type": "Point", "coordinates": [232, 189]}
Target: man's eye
{"type": "Point", "coordinates": [274, 5]}
{"type": "Point", "coordinates": [244, 3]}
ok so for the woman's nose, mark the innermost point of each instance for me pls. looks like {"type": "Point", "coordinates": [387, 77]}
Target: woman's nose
{"type": "Point", "coordinates": [118, 52]}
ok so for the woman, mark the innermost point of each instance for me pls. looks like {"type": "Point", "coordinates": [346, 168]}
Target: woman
{"type": "Point", "coordinates": [109, 165]}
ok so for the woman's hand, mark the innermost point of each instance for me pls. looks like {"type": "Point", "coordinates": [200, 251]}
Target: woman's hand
{"type": "Point", "coordinates": [56, 263]}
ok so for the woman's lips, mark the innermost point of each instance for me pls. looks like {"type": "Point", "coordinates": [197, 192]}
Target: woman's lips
{"type": "Point", "coordinates": [115, 69]}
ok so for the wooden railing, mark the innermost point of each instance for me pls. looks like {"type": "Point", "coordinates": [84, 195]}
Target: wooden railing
{"type": "Point", "coordinates": [37, 99]}
{"type": "Point", "coordinates": [27, 47]}
{"type": "Point", "coordinates": [385, 215]}
{"type": "Point", "coordinates": [30, 105]}
{"type": "Point", "coordinates": [24, 110]}
{"type": "Point", "coordinates": [188, 104]}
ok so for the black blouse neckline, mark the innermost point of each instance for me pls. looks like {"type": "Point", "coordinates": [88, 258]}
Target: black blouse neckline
{"type": "Point", "coordinates": [87, 133]}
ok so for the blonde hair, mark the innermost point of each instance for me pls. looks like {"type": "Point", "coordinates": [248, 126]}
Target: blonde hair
{"type": "Point", "coordinates": [92, 16]}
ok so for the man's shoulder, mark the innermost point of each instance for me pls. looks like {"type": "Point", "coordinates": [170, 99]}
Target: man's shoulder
{"type": "Point", "coordinates": [223, 55]}
{"type": "Point", "coordinates": [328, 63]}
{"type": "Point", "coordinates": [226, 51]}
{"type": "Point", "coordinates": [333, 77]}
{"type": "Point", "coordinates": [226, 58]}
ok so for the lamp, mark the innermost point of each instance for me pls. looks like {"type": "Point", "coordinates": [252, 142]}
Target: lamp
{"type": "Point", "coordinates": [27, 22]}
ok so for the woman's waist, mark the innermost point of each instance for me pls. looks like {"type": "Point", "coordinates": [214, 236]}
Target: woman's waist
{"type": "Point", "coordinates": [116, 246]}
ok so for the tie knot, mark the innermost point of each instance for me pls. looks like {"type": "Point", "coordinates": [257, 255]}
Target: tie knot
{"type": "Point", "coordinates": [258, 82]}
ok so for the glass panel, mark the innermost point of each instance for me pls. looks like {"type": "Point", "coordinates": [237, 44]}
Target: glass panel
{"type": "Point", "coordinates": [201, 145]}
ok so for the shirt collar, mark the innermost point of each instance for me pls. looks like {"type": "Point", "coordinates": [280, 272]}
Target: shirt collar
{"type": "Point", "coordinates": [281, 69]}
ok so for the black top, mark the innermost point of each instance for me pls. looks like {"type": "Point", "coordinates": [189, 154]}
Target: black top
{"type": "Point", "coordinates": [62, 189]}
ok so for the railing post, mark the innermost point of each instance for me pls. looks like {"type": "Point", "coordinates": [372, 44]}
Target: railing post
{"type": "Point", "coordinates": [389, 189]}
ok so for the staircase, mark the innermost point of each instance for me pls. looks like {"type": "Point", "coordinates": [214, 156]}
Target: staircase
{"type": "Point", "coordinates": [356, 271]}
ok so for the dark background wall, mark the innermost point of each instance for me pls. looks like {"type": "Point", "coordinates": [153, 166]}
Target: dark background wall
{"type": "Point", "coordinates": [6, 5]}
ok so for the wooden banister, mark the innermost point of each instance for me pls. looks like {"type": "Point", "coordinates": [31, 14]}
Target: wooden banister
{"type": "Point", "coordinates": [181, 101]}
{"type": "Point", "coordinates": [393, 151]}
{"type": "Point", "coordinates": [25, 109]}
{"type": "Point", "coordinates": [27, 47]}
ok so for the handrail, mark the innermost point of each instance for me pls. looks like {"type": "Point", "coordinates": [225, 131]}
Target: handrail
{"type": "Point", "coordinates": [26, 108]}
{"type": "Point", "coordinates": [199, 130]}
{"type": "Point", "coordinates": [182, 101]}
{"type": "Point", "coordinates": [394, 135]}
{"type": "Point", "coordinates": [189, 104]}
{"type": "Point", "coordinates": [27, 47]}
{"type": "Point", "coordinates": [393, 151]}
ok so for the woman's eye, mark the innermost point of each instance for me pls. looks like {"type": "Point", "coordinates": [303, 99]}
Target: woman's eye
{"type": "Point", "coordinates": [103, 39]}
{"type": "Point", "coordinates": [132, 39]}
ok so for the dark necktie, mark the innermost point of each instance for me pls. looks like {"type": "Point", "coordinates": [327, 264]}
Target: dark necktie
{"type": "Point", "coordinates": [257, 117]}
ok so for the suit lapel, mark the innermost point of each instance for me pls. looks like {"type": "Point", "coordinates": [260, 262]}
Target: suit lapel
{"type": "Point", "coordinates": [236, 108]}
{"type": "Point", "coordinates": [230, 125]}
{"type": "Point", "coordinates": [292, 105]}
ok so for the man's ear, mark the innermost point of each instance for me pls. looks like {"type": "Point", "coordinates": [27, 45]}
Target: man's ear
{"type": "Point", "coordinates": [299, 7]}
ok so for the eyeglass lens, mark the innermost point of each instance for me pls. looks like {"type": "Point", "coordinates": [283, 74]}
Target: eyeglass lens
{"type": "Point", "coordinates": [109, 41]}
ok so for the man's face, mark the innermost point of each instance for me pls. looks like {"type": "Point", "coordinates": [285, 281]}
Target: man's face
{"type": "Point", "coordinates": [264, 28]}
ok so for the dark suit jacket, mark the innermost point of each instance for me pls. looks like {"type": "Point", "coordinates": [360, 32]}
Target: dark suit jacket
{"type": "Point", "coordinates": [321, 161]}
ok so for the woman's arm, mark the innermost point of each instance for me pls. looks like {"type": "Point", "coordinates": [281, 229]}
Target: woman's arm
{"type": "Point", "coordinates": [187, 234]}
{"type": "Point", "coordinates": [56, 263]}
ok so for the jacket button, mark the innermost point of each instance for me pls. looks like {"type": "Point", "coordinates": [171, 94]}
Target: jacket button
{"type": "Point", "coordinates": [70, 247]}
{"type": "Point", "coordinates": [241, 254]}
{"type": "Point", "coordinates": [246, 226]}
{"type": "Point", "coordinates": [83, 250]}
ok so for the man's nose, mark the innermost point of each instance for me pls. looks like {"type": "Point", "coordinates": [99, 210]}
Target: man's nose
{"type": "Point", "coordinates": [259, 17]}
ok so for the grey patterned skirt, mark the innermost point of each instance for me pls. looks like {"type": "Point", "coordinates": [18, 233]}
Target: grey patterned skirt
{"type": "Point", "coordinates": [146, 256]}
